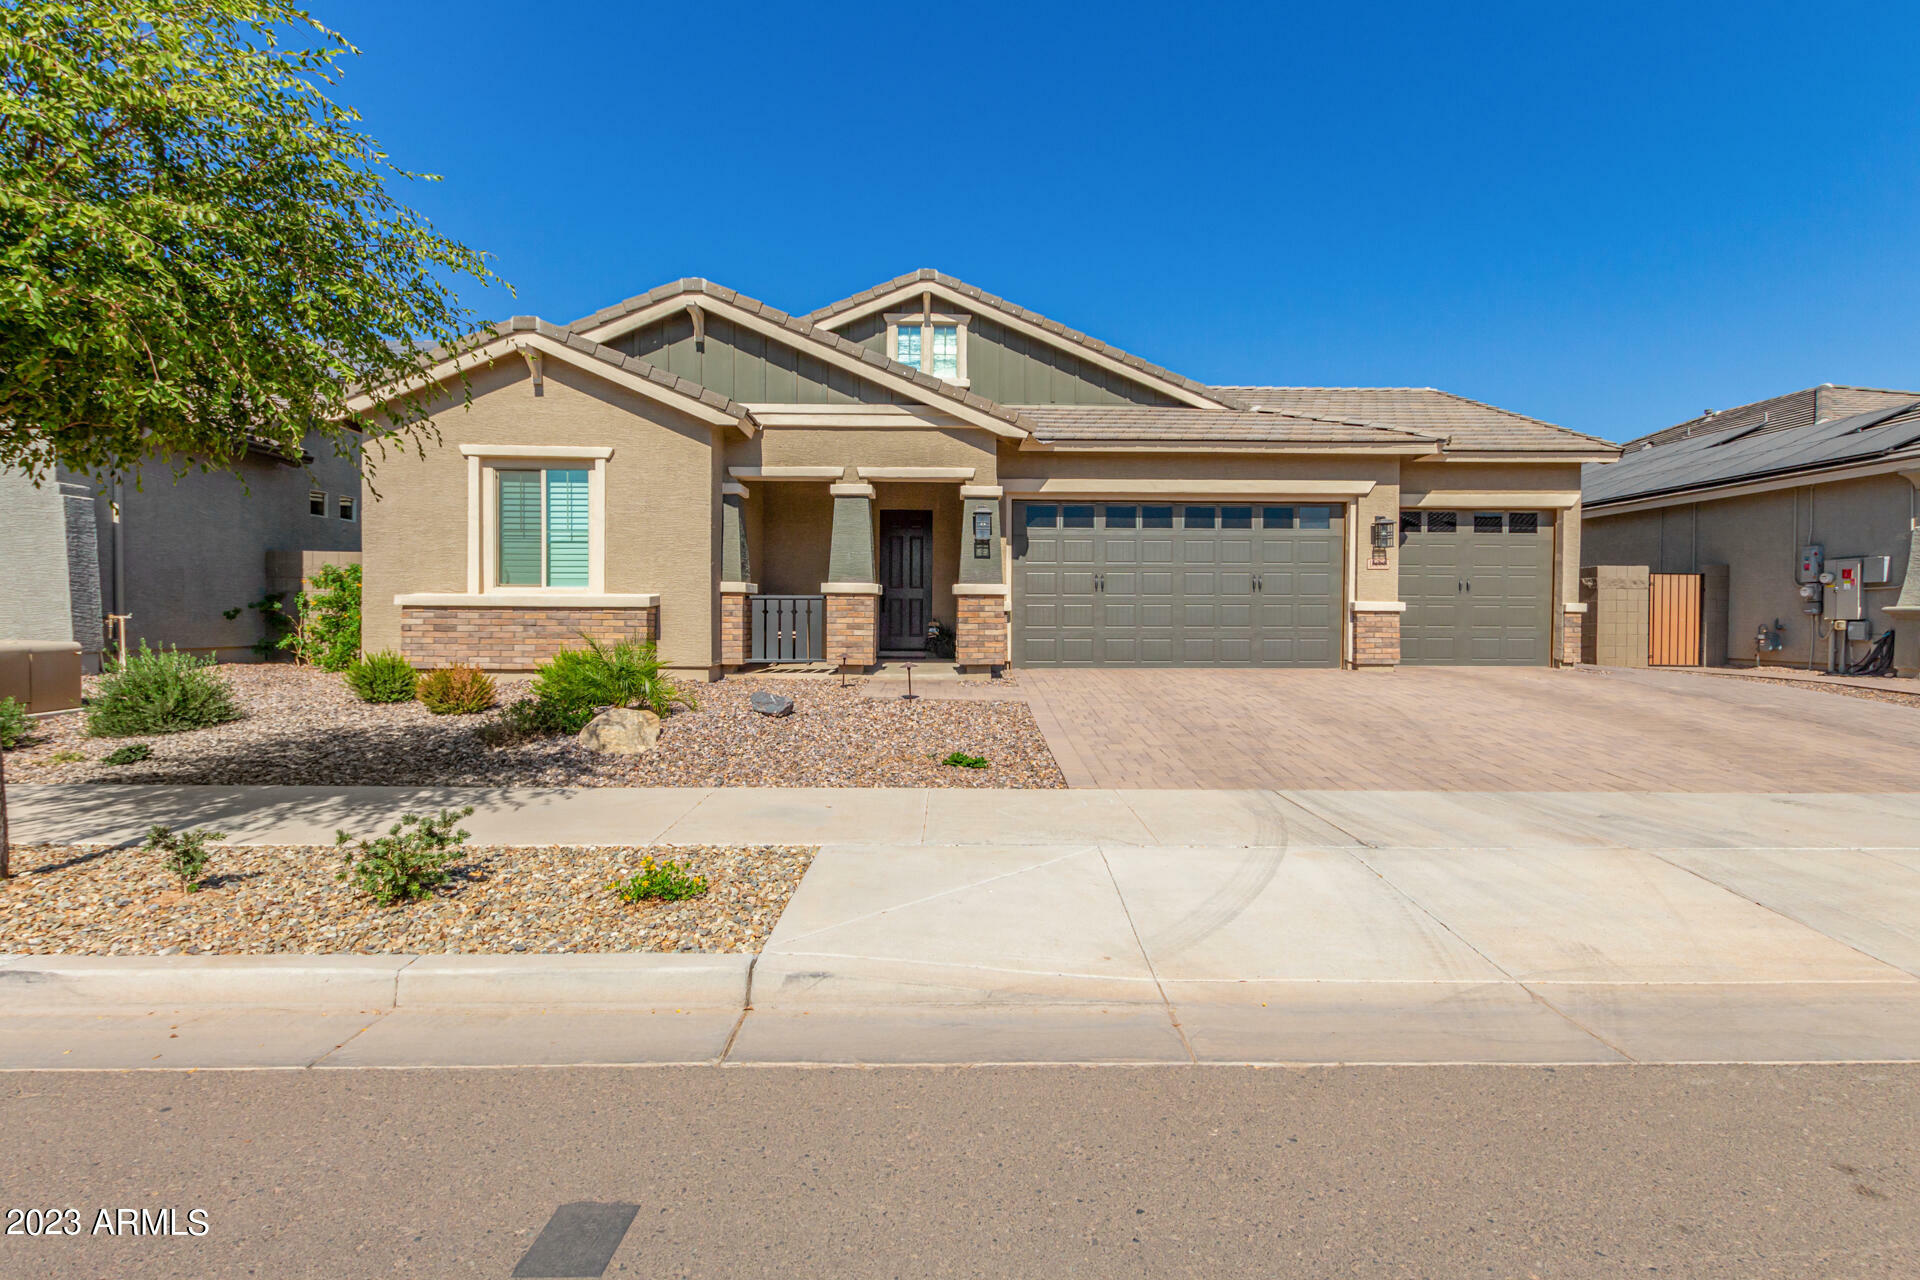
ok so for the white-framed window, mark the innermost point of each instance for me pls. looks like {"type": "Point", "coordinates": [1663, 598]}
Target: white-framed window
{"type": "Point", "coordinates": [536, 518]}
{"type": "Point", "coordinates": [347, 511]}
{"type": "Point", "coordinates": [317, 503]}
{"type": "Point", "coordinates": [935, 344]}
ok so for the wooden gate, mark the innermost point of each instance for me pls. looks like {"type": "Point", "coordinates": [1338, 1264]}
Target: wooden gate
{"type": "Point", "coordinates": [1673, 619]}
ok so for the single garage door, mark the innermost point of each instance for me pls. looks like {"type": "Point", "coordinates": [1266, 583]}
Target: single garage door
{"type": "Point", "coordinates": [1176, 585]}
{"type": "Point", "coordinates": [1478, 586]}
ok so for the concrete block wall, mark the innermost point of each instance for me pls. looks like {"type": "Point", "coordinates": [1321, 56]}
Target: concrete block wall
{"type": "Point", "coordinates": [1615, 634]}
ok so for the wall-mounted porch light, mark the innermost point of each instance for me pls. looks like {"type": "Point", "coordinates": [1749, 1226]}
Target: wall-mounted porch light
{"type": "Point", "coordinates": [1382, 538]}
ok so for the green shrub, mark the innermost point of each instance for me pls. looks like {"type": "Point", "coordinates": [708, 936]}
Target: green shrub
{"type": "Point", "coordinates": [327, 627]}
{"type": "Point", "coordinates": [456, 691]}
{"type": "Point", "coordinates": [67, 755]}
{"type": "Point", "coordinates": [575, 683]}
{"type": "Point", "coordinates": [132, 753]}
{"type": "Point", "coordinates": [382, 677]}
{"type": "Point", "coordinates": [159, 692]}
{"type": "Point", "coordinates": [961, 760]}
{"type": "Point", "coordinates": [521, 719]}
{"type": "Point", "coordinates": [15, 724]}
{"type": "Point", "coordinates": [184, 854]}
{"type": "Point", "coordinates": [665, 881]}
{"type": "Point", "coordinates": [278, 634]}
{"type": "Point", "coordinates": [407, 863]}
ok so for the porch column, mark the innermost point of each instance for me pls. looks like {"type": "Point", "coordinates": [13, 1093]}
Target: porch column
{"type": "Point", "coordinates": [1906, 610]}
{"type": "Point", "coordinates": [736, 573]}
{"type": "Point", "coordinates": [981, 597]}
{"type": "Point", "coordinates": [852, 589]}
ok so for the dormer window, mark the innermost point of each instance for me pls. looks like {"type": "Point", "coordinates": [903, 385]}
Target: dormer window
{"type": "Point", "coordinates": [935, 344]}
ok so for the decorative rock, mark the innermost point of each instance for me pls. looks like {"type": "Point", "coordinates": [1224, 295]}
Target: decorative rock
{"type": "Point", "coordinates": [622, 731]}
{"type": "Point", "coordinates": [771, 704]}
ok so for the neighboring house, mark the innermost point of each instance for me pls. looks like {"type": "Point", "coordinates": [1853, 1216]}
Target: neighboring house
{"type": "Point", "coordinates": [173, 555]}
{"type": "Point", "coordinates": [746, 486]}
{"type": "Point", "coordinates": [1750, 489]}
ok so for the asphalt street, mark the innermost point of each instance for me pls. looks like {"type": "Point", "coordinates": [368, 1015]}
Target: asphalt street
{"type": "Point", "coordinates": [1748, 1171]}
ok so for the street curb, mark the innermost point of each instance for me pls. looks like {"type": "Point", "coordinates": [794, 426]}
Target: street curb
{"type": "Point", "coordinates": [88, 984]}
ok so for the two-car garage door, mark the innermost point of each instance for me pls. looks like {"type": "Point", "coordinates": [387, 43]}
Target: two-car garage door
{"type": "Point", "coordinates": [1180, 584]}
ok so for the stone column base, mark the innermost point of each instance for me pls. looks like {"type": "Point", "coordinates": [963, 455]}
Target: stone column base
{"type": "Point", "coordinates": [853, 630]}
{"type": "Point", "coordinates": [1376, 639]}
{"type": "Point", "coordinates": [980, 631]}
{"type": "Point", "coordinates": [1573, 638]}
{"type": "Point", "coordinates": [736, 629]}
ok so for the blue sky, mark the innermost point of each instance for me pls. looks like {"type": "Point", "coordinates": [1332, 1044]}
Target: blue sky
{"type": "Point", "coordinates": [1611, 218]}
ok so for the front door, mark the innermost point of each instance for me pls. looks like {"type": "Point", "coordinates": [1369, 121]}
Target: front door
{"type": "Point", "coordinates": [906, 573]}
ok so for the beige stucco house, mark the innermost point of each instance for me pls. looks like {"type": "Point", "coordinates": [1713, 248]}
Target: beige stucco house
{"type": "Point", "coordinates": [1765, 500]}
{"type": "Point", "coordinates": [749, 486]}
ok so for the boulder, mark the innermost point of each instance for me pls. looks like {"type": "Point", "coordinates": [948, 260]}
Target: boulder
{"type": "Point", "coordinates": [771, 704]}
{"type": "Point", "coordinates": [622, 731]}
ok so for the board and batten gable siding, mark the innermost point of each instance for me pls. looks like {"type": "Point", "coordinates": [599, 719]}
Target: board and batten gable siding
{"type": "Point", "coordinates": [746, 366]}
{"type": "Point", "coordinates": [662, 518]}
{"type": "Point", "coordinates": [1010, 368]}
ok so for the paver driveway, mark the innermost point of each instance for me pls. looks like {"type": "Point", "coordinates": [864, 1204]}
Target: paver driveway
{"type": "Point", "coordinates": [1453, 729]}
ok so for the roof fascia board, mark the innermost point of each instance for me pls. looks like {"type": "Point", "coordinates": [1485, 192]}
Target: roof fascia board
{"type": "Point", "coordinates": [519, 342]}
{"type": "Point", "coordinates": [828, 354]}
{"type": "Point", "coordinates": [1018, 324]}
{"type": "Point", "coordinates": [1077, 487]}
{"type": "Point", "coordinates": [1487, 499]}
{"type": "Point", "coordinates": [1900, 465]}
{"type": "Point", "coordinates": [1238, 446]}
{"type": "Point", "coordinates": [1543, 455]}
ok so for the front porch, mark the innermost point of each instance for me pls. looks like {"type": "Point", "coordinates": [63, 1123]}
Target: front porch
{"type": "Point", "coordinates": [852, 566]}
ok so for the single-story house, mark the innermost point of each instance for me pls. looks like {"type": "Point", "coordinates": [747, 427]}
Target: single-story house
{"type": "Point", "coordinates": [1765, 500]}
{"type": "Point", "coordinates": [169, 554]}
{"type": "Point", "coordinates": [747, 486]}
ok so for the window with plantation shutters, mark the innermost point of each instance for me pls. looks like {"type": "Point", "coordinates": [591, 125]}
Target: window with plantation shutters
{"type": "Point", "coordinates": [567, 528]}
{"type": "Point", "coordinates": [520, 529]}
{"type": "Point", "coordinates": [545, 528]}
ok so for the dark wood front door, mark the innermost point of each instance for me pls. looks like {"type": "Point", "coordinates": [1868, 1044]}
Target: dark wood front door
{"type": "Point", "coordinates": [906, 571]}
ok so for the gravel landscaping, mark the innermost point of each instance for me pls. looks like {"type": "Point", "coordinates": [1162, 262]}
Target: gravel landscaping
{"type": "Point", "coordinates": [72, 900]}
{"type": "Point", "coordinates": [302, 727]}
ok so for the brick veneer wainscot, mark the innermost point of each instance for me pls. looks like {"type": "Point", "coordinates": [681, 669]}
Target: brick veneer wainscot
{"type": "Point", "coordinates": [512, 638]}
{"type": "Point", "coordinates": [1376, 639]}
{"type": "Point", "coordinates": [736, 628]}
{"type": "Point", "coordinates": [853, 630]}
{"type": "Point", "coordinates": [980, 631]}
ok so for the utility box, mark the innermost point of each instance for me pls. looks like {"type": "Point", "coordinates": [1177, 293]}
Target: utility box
{"type": "Point", "coordinates": [1845, 599]}
{"type": "Point", "coordinates": [1812, 561]}
{"type": "Point", "coordinates": [1876, 569]}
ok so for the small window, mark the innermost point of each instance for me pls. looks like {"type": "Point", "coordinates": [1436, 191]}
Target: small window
{"type": "Point", "coordinates": [1523, 522]}
{"type": "Point", "coordinates": [1443, 521]}
{"type": "Point", "coordinates": [1078, 517]}
{"type": "Point", "coordinates": [1236, 517]}
{"type": "Point", "coordinates": [1041, 516]}
{"type": "Point", "coordinates": [1489, 522]}
{"type": "Point", "coordinates": [1409, 522]}
{"type": "Point", "coordinates": [907, 345]}
{"type": "Point", "coordinates": [1122, 517]}
{"type": "Point", "coordinates": [946, 352]}
{"type": "Point", "coordinates": [346, 508]}
{"type": "Point", "coordinates": [1197, 517]}
{"type": "Point", "coordinates": [317, 504]}
{"type": "Point", "coordinates": [1276, 517]}
{"type": "Point", "coordinates": [1316, 517]}
{"type": "Point", "coordinates": [1156, 517]}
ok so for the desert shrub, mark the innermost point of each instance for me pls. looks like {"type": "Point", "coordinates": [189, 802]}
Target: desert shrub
{"type": "Point", "coordinates": [67, 755]}
{"type": "Point", "coordinates": [15, 724]}
{"type": "Point", "coordinates": [961, 760]}
{"type": "Point", "coordinates": [278, 624]}
{"type": "Point", "coordinates": [574, 683]}
{"type": "Point", "coordinates": [382, 677]}
{"type": "Point", "coordinates": [184, 853]}
{"type": "Point", "coordinates": [407, 863]}
{"type": "Point", "coordinates": [456, 691]}
{"type": "Point", "coordinates": [132, 753]}
{"type": "Point", "coordinates": [162, 691]}
{"type": "Point", "coordinates": [664, 881]}
{"type": "Point", "coordinates": [327, 627]}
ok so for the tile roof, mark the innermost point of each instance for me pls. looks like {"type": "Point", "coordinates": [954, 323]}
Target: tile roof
{"type": "Point", "coordinates": [1782, 412]}
{"type": "Point", "coordinates": [1465, 425]}
{"type": "Point", "coordinates": [926, 275]}
{"type": "Point", "coordinates": [1062, 423]}
{"type": "Point", "coordinates": [804, 330]}
{"type": "Point", "coordinates": [1752, 451]}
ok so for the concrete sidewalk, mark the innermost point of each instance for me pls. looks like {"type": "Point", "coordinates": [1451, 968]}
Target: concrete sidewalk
{"type": "Point", "coordinates": [1159, 927]}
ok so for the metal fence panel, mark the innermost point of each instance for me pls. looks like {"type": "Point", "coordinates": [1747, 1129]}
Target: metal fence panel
{"type": "Point", "coordinates": [789, 628]}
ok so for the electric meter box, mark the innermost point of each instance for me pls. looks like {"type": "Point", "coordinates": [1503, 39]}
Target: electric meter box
{"type": "Point", "coordinates": [1876, 569]}
{"type": "Point", "coordinates": [1812, 561]}
{"type": "Point", "coordinates": [1845, 599]}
